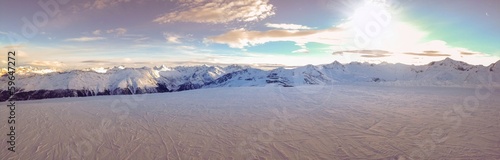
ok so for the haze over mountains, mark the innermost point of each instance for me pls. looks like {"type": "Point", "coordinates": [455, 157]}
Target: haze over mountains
{"type": "Point", "coordinates": [121, 80]}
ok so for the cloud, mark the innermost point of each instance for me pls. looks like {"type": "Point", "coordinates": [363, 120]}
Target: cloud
{"type": "Point", "coordinates": [186, 48]}
{"type": "Point", "coordinates": [302, 50]}
{"type": "Point", "coordinates": [401, 43]}
{"type": "Point", "coordinates": [241, 38]}
{"type": "Point", "coordinates": [172, 38]}
{"type": "Point", "coordinates": [14, 47]}
{"type": "Point", "coordinates": [219, 11]}
{"type": "Point", "coordinates": [85, 39]}
{"type": "Point", "coordinates": [366, 53]}
{"type": "Point", "coordinates": [94, 61]}
{"type": "Point", "coordinates": [97, 32]}
{"type": "Point", "coordinates": [141, 40]}
{"type": "Point", "coordinates": [287, 26]}
{"type": "Point", "coordinates": [374, 56]}
{"type": "Point", "coordinates": [101, 4]}
{"type": "Point", "coordinates": [468, 53]}
{"type": "Point", "coordinates": [46, 63]}
{"type": "Point", "coordinates": [143, 46]}
{"type": "Point", "coordinates": [98, 35]}
{"type": "Point", "coordinates": [117, 31]}
{"type": "Point", "coordinates": [429, 53]}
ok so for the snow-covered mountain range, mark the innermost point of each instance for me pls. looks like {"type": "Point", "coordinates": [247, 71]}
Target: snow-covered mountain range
{"type": "Point", "coordinates": [121, 80]}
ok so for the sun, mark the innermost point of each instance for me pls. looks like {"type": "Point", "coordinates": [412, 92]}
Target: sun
{"type": "Point", "coordinates": [374, 23]}
{"type": "Point", "coordinates": [373, 26]}
{"type": "Point", "coordinates": [368, 10]}
{"type": "Point", "coordinates": [367, 22]}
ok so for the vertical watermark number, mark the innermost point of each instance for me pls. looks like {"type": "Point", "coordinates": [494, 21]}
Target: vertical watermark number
{"type": "Point", "coordinates": [11, 103]}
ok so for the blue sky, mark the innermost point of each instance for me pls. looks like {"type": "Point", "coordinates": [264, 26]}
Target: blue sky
{"type": "Point", "coordinates": [101, 33]}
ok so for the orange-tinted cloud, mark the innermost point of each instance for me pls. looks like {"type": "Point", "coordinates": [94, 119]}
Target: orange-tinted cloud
{"type": "Point", "coordinates": [366, 53]}
{"type": "Point", "coordinates": [429, 54]}
{"type": "Point", "coordinates": [219, 11]}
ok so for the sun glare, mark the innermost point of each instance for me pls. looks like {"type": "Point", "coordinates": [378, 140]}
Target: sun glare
{"type": "Point", "coordinates": [374, 26]}
{"type": "Point", "coordinates": [366, 10]}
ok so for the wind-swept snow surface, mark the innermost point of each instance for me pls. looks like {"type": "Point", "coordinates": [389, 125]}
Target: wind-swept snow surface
{"type": "Point", "coordinates": [304, 122]}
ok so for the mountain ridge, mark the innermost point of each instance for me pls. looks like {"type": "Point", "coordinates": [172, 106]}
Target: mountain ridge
{"type": "Point", "coordinates": [121, 80]}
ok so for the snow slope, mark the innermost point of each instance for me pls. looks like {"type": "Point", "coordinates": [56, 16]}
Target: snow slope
{"type": "Point", "coordinates": [120, 80]}
{"type": "Point", "coordinates": [350, 122]}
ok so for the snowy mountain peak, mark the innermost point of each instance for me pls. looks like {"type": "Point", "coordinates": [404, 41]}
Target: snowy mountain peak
{"type": "Point", "coordinates": [310, 66]}
{"type": "Point", "coordinates": [237, 66]}
{"type": "Point", "coordinates": [162, 68]}
{"type": "Point", "coordinates": [448, 62]}
{"type": "Point", "coordinates": [206, 66]}
{"type": "Point", "coordinates": [234, 67]}
{"type": "Point", "coordinates": [117, 67]}
{"type": "Point", "coordinates": [24, 70]}
{"type": "Point", "coordinates": [99, 70]}
{"type": "Point", "coordinates": [336, 63]}
{"type": "Point", "coordinates": [448, 59]}
{"type": "Point", "coordinates": [495, 66]}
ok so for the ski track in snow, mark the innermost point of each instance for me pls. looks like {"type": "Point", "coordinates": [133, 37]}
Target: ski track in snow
{"type": "Point", "coordinates": [313, 122]}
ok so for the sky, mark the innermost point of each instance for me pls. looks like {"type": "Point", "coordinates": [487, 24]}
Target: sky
{"type": "Point", "coordinates": [71, 34]}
